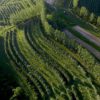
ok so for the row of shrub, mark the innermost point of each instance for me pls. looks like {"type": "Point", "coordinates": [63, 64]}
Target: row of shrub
{"type": "Point", "coordinates": [84, 13]}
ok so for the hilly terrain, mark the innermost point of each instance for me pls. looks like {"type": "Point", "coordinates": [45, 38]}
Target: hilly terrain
{"type": "Point", "coordinates": [47, 52]}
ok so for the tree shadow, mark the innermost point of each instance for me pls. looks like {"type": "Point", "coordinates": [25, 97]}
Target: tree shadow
{"type": "Point", "coordinates": [7, 77]}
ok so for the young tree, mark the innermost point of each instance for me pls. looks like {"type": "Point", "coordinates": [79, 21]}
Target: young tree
{"type": "Point", "coordinates": [17, 91]}
{"type": "Point", "coordinates": [59, 3]}
{"type": "Point", "coordinates": [83, 12]}
{"type": "Point", "coordinates": [98, 21]}
{"type": "Point", "coordinates": [75, 3]}
{"type": "Point", "coordinates": [92, 17]}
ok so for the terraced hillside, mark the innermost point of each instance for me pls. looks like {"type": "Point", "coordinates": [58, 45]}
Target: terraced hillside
{"type": "Point", "coordinates": [39, 62]}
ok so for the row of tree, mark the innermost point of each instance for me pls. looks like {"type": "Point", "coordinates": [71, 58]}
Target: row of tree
{"type": "Point", "coordinates": [84, 13]}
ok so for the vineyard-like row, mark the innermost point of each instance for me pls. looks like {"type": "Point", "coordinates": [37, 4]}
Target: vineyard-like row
{"type": "Point", "coordinates": [48, 65]}
{"type": "Point", "coordinates": [50, 68]}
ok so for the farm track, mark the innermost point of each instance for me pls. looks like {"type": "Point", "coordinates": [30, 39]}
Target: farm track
{"type": "Point", "coordinates": [88, 47]}
{"type": "Point", "coordinates": [88, 35]}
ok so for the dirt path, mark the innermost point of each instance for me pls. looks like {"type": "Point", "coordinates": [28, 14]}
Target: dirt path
{"type": "Point", "coordinates": [85, 45]}
{"type": "Point", "coordinates": [88, 35]}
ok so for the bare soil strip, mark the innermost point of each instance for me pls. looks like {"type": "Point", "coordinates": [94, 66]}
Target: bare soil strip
{"type": "Point", "coordinates": [85, 45]}
{"type": "Point", "coordinates": [88, 35]}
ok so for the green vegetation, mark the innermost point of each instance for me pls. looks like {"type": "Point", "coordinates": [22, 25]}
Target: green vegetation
{"type": "Point", "coordinates": [75, 3]}
{"type": "Point", "coordinates": [98, 21]}
{"type": "Point", "coordinates": [92, 16]}
{"type": "Point", "coordinates": [38, 61]}
{"type": "Point", "coordinates": [91, 5]}
{"type": "Point", "coordinates": [85, 10]}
